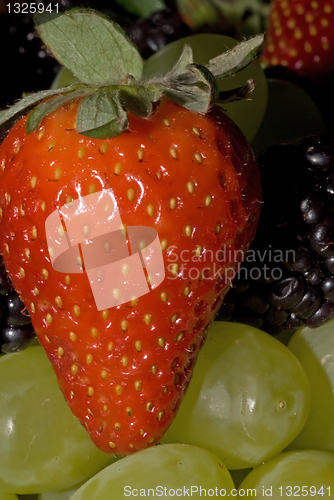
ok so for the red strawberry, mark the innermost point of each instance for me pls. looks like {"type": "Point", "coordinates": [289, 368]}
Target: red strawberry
{"type": "Point", "coordinates": [300, 36]}
{"type": "Point", "coordinates": [193, 178]}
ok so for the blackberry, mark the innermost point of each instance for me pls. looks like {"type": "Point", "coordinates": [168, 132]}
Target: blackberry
{"type": "Point", "coordinates": [287, 278]}
{"type": "Point", "coordinates": [156, 31]}
{"type": "Point", "coordinates": [5, 283]}
{"type": "Point", "coordinates": [16, 330]}
{"type": "Point", "coordinates": [16, 338]}
{"type": "Point", "coordinates": [27, 65]}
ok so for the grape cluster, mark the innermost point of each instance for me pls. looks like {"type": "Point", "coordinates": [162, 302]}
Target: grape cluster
{"type": "Point", "coordinates": [287, 278]}
{"type": "Point", "coordinates": [258, 414]}
{"type": "Point", "coordinates": [16, 329]}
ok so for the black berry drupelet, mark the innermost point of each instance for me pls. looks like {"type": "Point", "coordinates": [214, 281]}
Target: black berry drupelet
{"type": "Point", "coordinates": [156, 31]}
{"type": "Point", "coordinates": [16, 330]}
{"type": "Point", "coordinates": [287, 278]}
{"type": "Point", "coordinates": [27, 65]}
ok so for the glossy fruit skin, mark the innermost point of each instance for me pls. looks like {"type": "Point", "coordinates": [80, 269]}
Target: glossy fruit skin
{"type": "Point", "coordinates": [137, 396]}
{"type": "Point", "coordinates": [165, 470]}
{"type": "Point", "coordinates": [6, 286]}
{"type": "Point", "coordinates": [315, 350]}
{"type": "Point", "coordinates": [43, 446]}
{"type": "Point", "coordinates": [307, 473]}
{"type": "Point", "coordinates": [59, 495]}
{"type": "Point", "coordinates": [249, 398]}
{"type": "Point", "coordinates": [299, 36]}
{"type": "Point", "coordinates": [4, 495]}
{"type": "Point", "coordinates": [16, 337]}
{"type": "Point", "coordinates": [16, 330]}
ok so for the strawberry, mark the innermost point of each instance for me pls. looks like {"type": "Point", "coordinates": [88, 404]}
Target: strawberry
{"type": "Point", "coordinates": [190, 177]}
{"type": "Point", "coordinates": [299, 36]}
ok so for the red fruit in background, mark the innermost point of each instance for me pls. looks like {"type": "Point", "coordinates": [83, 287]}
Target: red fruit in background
{"type": "Point", "coordinates": [300, 36]}
{"type": "Point", "coordinates": [191, 177]}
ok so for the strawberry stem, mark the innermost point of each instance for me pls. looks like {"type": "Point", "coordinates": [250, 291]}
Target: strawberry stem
{"type": "Point", "coordinates": [109, 69]}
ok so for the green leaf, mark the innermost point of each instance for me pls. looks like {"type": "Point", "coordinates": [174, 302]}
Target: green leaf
{"type": "Point", "coordinates": [101, 115]}
{"type": "Point", "coordinates": [210, 80]}
{"type": "Point", "coordinates": [238, 94]}
{"type": "Point", "coordinates": [235, 59]}
{"type": "Point", "coordinates": [92, 47]}
{"type": "Point", "coordinates": [190, 97]}
{"type": "Point", "coordinates": [188, 84]}
{"type": "Point", "coordinates": [27, 101]}
{"type": "Point", "coordinates": [140, 100]}
{"type": "Point", "coordinates": [43, 109]}
{"type": "Point", "coordinates": [182, 65]}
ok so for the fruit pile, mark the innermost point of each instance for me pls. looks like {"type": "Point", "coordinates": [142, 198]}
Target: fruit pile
{"type": "Point", "coordinates": [164, 153]}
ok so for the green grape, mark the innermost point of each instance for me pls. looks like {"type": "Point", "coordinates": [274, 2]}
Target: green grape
{"type": "Point", "coordinates": [315, 350]}
{"type": "Point", "coordinates": [165, 470]}
{"type": "Point", "coordinates": [43, 446]}
{"type": "Point", "coordinates": [307, 473]}
{"type": "Point", "coordinates": [63, 78]}
{"type": "Point", "coordinates": [248, 399]}
{"type": "Point", "coordinates": [142, 8]}
{"type": "Point", "coordinates": [4, 495]}
{"type": "Point", "coordinates": [299, 117]}
{"type": "Point", "coordinates": [238, 475]}
{"type": "Point", "coordinates": [59, 495]}
{"type": "Point", "coordinates": [247, 114]}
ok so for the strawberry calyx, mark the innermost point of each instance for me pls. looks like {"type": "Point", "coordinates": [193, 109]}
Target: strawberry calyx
{"type": "Point", "coordinates": [109, 70]}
